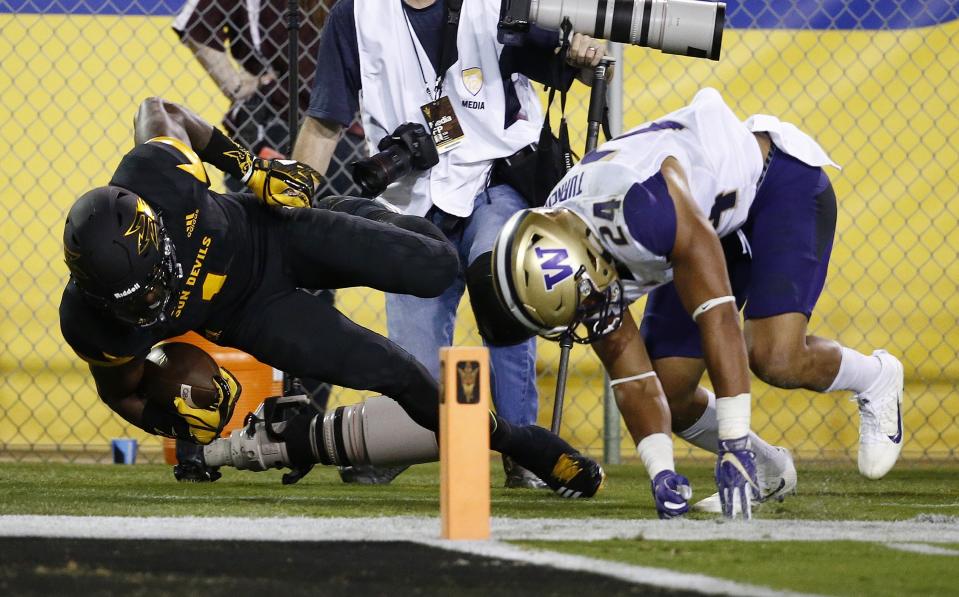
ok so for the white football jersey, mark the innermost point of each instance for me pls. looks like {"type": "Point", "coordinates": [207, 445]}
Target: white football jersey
{"type": "Point", "coordinates": [719, 154]}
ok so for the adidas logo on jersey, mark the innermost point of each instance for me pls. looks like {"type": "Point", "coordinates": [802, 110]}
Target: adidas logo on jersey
{"type": "Point", "coordinates": [191, 220]}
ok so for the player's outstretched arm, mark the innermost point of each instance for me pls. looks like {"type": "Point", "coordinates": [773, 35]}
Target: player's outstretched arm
{"type": "Point", "coordinates": [699, 272]}
{"type": "Point", "coordinates": [642, 402]}
{"type": "Point", "coordinates": [639, 395]}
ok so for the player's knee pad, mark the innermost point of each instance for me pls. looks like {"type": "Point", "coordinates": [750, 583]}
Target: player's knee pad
{"type": "Point", "coordinates": [372, 209]}
{"type": "Point", "coordinates": [340, 203]}
{"type": "Point", "coordinates": [375, 432]}
{"type": "Point", "coordinates": [496, 324]}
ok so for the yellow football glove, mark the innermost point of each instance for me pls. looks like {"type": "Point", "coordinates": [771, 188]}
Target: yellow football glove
{"type": "Point", "coordinates": [285, 183]}
{"type": "Point", "coordinates": [207, 423]}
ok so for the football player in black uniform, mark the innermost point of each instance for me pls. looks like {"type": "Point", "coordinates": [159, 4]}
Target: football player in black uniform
{"type": "Point", "coordinates": [156, 253]}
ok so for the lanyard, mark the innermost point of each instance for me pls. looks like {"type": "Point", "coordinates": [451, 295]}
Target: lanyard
{"type": "Point", "coordinates": [439, 79]}
{"type": "Point", "coordinates": [448, 53]}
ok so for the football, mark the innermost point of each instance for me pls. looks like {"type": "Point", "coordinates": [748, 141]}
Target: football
{"type": "Point", "coordinates": [180, 369]}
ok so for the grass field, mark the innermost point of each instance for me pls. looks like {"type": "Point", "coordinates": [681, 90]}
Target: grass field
{"type": "Point", "coordinates": [783, 559]}
{"type": "Point", "coordinates": [833, 568]}
{"type": "Point", "coordinates": [825, 493]}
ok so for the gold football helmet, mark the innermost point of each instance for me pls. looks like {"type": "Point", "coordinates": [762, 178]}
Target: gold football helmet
{"type": "Point", "coordinates": [553, 275]}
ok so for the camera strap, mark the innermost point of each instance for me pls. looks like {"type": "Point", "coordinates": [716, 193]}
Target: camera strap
{"type": "Point", "coordinates": [566, 152]}
{"type": "Point", "coordinates": [448, 52]}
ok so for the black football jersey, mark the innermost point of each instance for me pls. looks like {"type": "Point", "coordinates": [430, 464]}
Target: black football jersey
{"type": "Point", "coordinates": [214, 241]}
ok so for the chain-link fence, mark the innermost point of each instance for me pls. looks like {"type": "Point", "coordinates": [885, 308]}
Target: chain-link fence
{"type": "Point", "coordinates": [875, 83]}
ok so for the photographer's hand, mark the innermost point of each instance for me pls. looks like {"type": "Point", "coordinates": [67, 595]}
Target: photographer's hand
{"type": "Point", "coordinates": [585, 53]}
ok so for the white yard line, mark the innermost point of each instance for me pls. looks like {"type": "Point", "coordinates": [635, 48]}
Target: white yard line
{"type": "Point", "coordinates": [912, 536]}
{"type": "Point", "coordinates": [920, 506]}
{"type": "Point", "coordinates": [421, 530]}
{"type": "Point", "coordinates": [658, 577]}
{"type": "Point", "coordinates": [928, 550]}
{"type": "Point", "coordinates": [408, 528]}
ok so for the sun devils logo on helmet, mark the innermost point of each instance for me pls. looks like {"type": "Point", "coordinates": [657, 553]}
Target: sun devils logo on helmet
{"type": "Point", "coordinates": [120, 257]}
{"type": "Point", "coordinates": [145, 226]}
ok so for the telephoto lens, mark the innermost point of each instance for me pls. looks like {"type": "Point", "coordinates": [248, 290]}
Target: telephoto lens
{"type": "Point", "coordinates": [217, 452]}
{"type": "Point", "coordinates": [683, 27]}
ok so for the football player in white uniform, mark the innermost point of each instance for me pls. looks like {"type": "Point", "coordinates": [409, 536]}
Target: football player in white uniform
{"type": "Point", "coordinates": [707, 214]}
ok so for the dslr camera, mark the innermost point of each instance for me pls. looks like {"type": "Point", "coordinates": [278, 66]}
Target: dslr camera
{"type": "Point", "coordinates": [683, 27]}
{"type": "Point", "coordinates": [410, 147]}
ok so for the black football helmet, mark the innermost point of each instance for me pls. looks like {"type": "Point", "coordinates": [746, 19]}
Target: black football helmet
{"type": "Point", "coordinates": [120, 255]}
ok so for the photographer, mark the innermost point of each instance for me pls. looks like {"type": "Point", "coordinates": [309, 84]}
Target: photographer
{"type": "Point", "coordinates": [476, 98]}
{"type": "Point", "coordinates": [243, 47]}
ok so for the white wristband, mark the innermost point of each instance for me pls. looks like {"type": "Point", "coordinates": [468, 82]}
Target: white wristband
{"type": "Point", "coordinates": [713, 302]}
{"type": "Point", "coordinates": [615, 382]}
{"type": "Point", "coordinates": [656, 452]}
{"type": "Point", "coordinates": [733, 414]}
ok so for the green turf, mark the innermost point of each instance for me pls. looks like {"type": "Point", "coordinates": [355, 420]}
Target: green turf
{"type": "Point", "coordinates": [834, 492]}
{"type": "Point", "coordinates": [825, 492]}
{"type": "Point", "coordinates": [830, 568]}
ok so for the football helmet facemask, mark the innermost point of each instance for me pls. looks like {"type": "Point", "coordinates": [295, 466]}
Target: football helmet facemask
{"type": "Point", "coordinates": [120, 256]}
{"type": "Point", "coordinates": [553, 275]}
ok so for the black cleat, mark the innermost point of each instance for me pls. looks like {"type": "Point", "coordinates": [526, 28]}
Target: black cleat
{"type": "Point", "coordinates": [194, 472]}
{"type": "Point", "coordinates": [564, 470]}
{"type": "Point", "coordinates": [576, 476]}
{"type": "Point", "coordinates": [190, 467]}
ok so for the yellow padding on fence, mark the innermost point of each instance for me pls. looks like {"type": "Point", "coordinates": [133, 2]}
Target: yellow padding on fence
{"type": "Point", "coordinates": [882, 103]}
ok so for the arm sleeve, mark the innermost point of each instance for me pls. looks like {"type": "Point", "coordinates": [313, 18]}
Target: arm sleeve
{"type": "Point", "coordinates": [650, 215]}
{"type": "Point", "coordinates": [537, 59]}
{"type": "Point", "coordinates": [202, 22]}
{"type": "Point", "coordinates": [336, 82]}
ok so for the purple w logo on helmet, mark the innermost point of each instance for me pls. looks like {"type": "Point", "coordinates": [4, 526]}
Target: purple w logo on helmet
{"type": "Point", "coordinates": [551, 260]}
